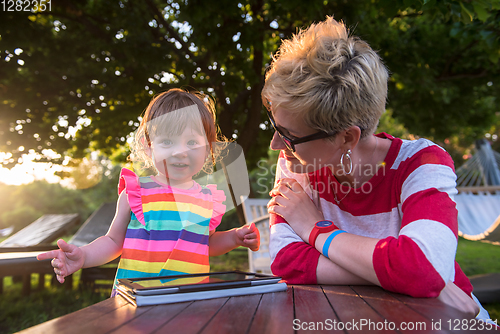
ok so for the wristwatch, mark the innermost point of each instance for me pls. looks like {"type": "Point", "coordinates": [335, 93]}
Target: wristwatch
{"type": "Point", "coordinates": [323, 226]}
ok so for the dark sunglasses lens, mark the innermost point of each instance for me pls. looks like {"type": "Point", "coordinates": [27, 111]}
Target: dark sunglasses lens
{"type": "Point", "coordinates": [288, 143]}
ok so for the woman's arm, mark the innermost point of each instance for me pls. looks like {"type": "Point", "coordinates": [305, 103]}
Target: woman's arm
{"type": "Point", "coordinates": [351, 256]}
{"type": "Point", "coordinates": [299, 263]}
{"type": "Point", "coordinates": [420, 260]}
{"type": "Point", "coordinates": [327, 272]}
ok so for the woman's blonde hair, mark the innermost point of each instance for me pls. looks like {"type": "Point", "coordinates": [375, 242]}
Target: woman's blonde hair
{"type": "Point", "coordinates": [170, 112]}
{"type": "Point", "coordinates": [330, 79]}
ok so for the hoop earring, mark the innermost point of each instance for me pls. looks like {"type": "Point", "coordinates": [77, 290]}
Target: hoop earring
{"type": "Point", "coordinates": [348, 156]}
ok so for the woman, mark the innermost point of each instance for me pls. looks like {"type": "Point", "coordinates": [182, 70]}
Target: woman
{"type": "Point", "coordinates": [389, 203]}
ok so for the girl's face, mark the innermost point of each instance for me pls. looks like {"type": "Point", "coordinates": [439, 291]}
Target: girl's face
{"type": "Point", "coordinates": [179, 157]}
{"type": "Point", "coordinates": [309, 156]}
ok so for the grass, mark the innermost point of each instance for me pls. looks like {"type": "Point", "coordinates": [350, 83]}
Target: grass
{"type": "Point", "coordinates": [18, 312]}
{"type": "Point", "coordinates": [234, 260]}
{"type": "Point", "coordinates": [476, 258]}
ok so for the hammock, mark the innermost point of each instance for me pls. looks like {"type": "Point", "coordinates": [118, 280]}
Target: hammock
{"type": "Point", "coordinates": [478, 200]}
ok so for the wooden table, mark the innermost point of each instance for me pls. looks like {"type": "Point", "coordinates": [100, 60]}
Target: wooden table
{"type": "Point", "coordinates": [301, 308]}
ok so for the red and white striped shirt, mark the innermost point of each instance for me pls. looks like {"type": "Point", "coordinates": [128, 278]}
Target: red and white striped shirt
{"type": "Point", "coordinates": [408, 204]}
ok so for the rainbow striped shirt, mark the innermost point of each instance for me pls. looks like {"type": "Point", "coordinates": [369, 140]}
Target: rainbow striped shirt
{"type": "Point", "coordinates": [169, 227]}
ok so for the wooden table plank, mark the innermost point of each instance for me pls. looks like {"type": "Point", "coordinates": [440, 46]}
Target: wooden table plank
{"type": "Point", "coordinates": [396, 314]}
{"type": "Point", "coordinates": [112, 320]}
{"type": "Point", "coordinates": [235, 316]}
{"type": "Point", "coordinates": [68, 323]}
{"type": "Point", "coordinates": [445, 317]}
{"type": "Point", "coordinates": [274, 314]}
{"type": "Point", "coordinates": [194, 317]}
{"type": "Point", "coordinates": [352, 311]}
{"type": "Point", "coordinates": [151, 320]}
{"type": "Point", "coordinates": [313, 312]}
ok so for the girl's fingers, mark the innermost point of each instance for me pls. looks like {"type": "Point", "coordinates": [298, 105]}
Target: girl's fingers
{"type": "Point", "coordinates": [250, 236]}
{"type": "Point", "coordinates": [252, 244]}
{"type": "Point", "coordinates": [47, 255]}
{"type": "Point", "coordinates": [64, 246]}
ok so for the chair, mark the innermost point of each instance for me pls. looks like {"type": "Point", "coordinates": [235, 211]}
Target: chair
{"type": "Point", "coordinates": [17, 252]}
{"type": "Point", "coordinates": [44, 230]}
{"type": "Point", "coordinates": [95, 226]}
{"type": "Point", "coordinates": [255, 211]}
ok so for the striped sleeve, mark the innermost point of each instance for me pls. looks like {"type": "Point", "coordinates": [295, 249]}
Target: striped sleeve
{"type": "Point", "coordinates": [291, 258]}
{"type": "Point", "coordinates": [420, 261]}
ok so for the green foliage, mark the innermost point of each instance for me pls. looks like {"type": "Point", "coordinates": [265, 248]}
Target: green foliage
{"type": "Point", "coordinates": [391, 126]}
{"type": "Point", "coordinates": [236, 259]}
{"type": "Point", "coordinates": [21, 205]}
{"type": "Point", "coordinates": [443, 73]}
{"type": "Point", "coordinates": [262, 177]}
{"type": "Point", "coordinates": [76, 78]}
{"type": "Point", "coordinates": [20, 217]}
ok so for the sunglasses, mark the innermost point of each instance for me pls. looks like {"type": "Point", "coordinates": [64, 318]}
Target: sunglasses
{"type": "Point", "coordinates": [290, 143]}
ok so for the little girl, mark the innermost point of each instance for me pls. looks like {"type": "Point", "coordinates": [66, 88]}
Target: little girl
{"type": "Point", "coordinates": [164, 224]}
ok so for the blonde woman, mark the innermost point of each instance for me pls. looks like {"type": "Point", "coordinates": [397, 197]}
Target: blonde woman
{"type": "Point", "coordinates": [382, 209]}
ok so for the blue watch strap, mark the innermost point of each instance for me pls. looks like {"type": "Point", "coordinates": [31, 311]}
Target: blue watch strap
{"type": "Point", "coordinates": [326, 245]}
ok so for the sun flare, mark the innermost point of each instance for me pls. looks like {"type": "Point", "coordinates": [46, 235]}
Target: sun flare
{"type": "Point", "coordinates": [28, 171]}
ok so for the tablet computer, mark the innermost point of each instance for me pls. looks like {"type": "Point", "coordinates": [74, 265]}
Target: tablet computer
{"type": "Point", "coordinates": [194, 282]}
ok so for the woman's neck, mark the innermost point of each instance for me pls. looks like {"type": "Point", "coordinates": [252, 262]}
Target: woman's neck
{"type": "Point", "coordinates": [366, 157]}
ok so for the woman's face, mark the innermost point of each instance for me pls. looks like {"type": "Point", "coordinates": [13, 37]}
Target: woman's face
{"type": "Point", "coordinates": [309, 156]}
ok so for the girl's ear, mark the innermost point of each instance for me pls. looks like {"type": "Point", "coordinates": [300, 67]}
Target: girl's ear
{"type": "Point", "coordinates": [147, 146]}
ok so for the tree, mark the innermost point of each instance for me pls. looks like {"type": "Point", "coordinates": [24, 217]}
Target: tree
{"type": "Point", "coordinates": [75, 78]}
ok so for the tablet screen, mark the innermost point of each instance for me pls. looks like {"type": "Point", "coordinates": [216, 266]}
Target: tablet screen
{"type": "Point", "coordinates": [232, 278]}
{"type": "Point", "coordinates": [216, 278]}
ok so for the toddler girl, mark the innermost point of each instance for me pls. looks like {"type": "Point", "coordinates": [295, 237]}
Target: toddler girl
{"type": "Point", "coordinates": [164, 224]}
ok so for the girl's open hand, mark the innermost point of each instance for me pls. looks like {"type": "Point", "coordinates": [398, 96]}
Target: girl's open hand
{"type": "Point", "coordinates": [65, 260]}
{"type": "Point", "coordinates": [290, 201]}
{"type": "Point", "coordinates": [248, 236]}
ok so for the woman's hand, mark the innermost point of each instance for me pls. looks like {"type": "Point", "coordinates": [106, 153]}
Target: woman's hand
{"type": "Point", "coordinates": [290, 201]}
{"type": "Point", "coordinates": [455, 297]}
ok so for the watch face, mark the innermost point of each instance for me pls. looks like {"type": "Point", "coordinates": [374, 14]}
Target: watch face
{"type": "Point", "coordinates": [324, 223]}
